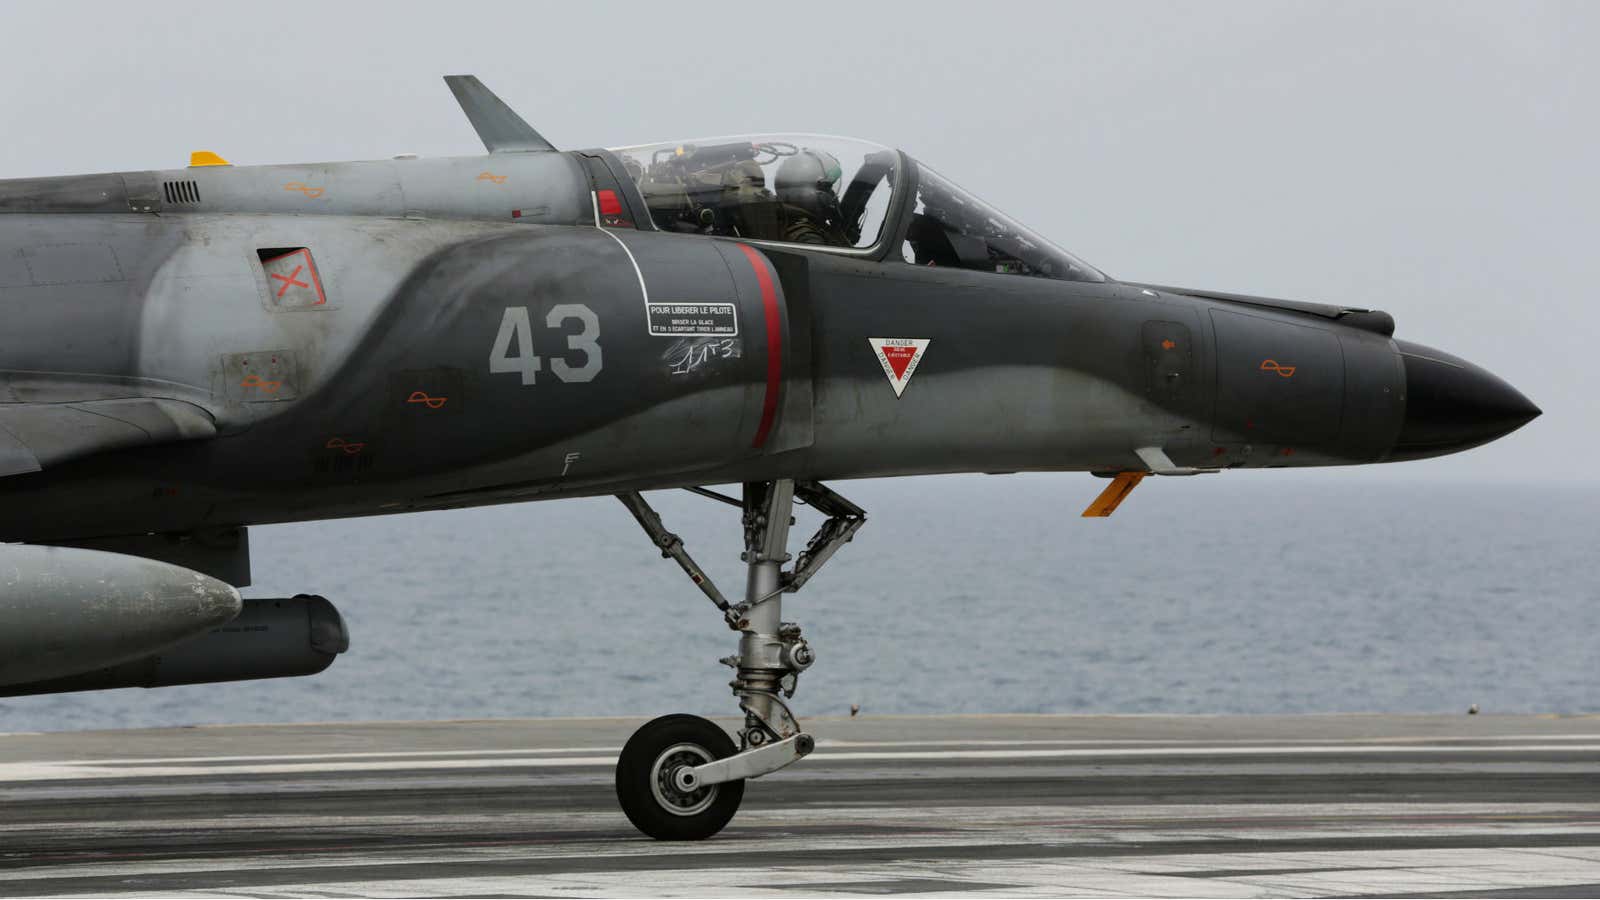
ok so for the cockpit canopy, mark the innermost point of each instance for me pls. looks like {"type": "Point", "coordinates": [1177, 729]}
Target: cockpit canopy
{"type": "Point", "coordinates": [796, 189]}
{"type": "Point", "coordinates": [837, 193]}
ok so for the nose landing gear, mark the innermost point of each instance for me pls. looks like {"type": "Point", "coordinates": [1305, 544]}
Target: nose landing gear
{"type": "Point", "coordinates": [680, 777]}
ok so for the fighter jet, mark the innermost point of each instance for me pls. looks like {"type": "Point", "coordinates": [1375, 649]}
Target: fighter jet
{"type": "Point", "coordinates": [190, 352]}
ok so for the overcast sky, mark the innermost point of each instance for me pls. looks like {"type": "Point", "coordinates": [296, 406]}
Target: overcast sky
{"type": "Point", "coordinates": [1434, 160]}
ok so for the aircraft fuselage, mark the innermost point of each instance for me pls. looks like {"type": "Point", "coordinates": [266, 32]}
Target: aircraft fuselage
{"type": "Point", "coordinates": [416, 334]}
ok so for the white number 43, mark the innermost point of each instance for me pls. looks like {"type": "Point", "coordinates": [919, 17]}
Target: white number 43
{"type": "Point", "coordinates": [515, 325]}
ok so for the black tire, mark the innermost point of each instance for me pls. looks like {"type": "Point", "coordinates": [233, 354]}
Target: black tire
{"type": "Point", "coordinates": [645, 789]}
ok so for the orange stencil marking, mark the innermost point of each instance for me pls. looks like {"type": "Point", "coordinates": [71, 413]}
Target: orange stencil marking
{"type": "Point", "coordinates": [430, 402]}
{"type": "Point", "coordinates": [490, 176]}
{"type": "Point", "coordinates": [349, 447]}
{"type": "Point", "coordinates": [256, 381]}
{"type": "Point", "coordinates": [303, 275]}
{"type": "Point", "coordinates": [1271, 365]}
{"type": "Point", "coordinates": [1168, 344]}
{"type": "Point", "coordinates": [311, 193]}
{"type": "Point", "coordinates": [289, 280]}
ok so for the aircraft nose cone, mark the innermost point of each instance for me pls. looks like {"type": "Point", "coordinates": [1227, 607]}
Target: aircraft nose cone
{"type": "Point", "coordinates": [1452, 405]}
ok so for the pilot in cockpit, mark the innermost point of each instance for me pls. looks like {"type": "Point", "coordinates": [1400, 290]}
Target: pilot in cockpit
{"type": "Point", "coordinates": [722, 189]}
{"type": "Point", "coordinates": [807, 188]}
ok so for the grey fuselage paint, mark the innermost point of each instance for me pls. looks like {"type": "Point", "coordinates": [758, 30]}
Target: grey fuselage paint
{"type": "Point", "coordinates": [413, 386]}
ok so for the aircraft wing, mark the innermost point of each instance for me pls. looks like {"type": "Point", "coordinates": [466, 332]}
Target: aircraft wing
{"type": "Point", "coordinates": [35, 436]}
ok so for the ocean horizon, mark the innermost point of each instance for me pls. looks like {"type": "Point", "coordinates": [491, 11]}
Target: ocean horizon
{"type": "Point", "coordinates": [1238, 593]}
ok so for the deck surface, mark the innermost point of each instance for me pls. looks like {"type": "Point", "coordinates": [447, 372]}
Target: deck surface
{"type": "Point", "coordinates": [1012, 805]}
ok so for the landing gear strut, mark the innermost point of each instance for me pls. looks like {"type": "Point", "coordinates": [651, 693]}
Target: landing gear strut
{"type": "Point", "coordinates": [679, 778]}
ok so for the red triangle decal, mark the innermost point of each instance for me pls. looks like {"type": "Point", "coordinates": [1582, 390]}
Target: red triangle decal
{"type": "Point", "coordinates": [899, 358]}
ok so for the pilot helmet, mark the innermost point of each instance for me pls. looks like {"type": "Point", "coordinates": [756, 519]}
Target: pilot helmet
{"type": "Point", "coordinates": [809, 179]}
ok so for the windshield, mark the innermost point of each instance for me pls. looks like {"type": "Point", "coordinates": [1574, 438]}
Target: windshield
{"type": "Point", "coordinates": [953, 228]}
{"type": "Point", "coordinates": [797, 189]}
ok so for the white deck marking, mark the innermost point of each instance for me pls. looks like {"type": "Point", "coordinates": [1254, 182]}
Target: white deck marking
{"type": "Point", "coordinates": [1226, 742]}
{"type": "Point", "coordinates": [547, 758]}
{"type": "Point", "coordinates": [829, 744]}
{"type": "Point", "coordinates": [1274, 750]}
{"type": "Point", "coordinates": [373, 754]}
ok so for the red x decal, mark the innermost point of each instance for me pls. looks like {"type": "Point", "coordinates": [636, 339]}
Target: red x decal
{"type": "Point", "coordinates": [289, 281]}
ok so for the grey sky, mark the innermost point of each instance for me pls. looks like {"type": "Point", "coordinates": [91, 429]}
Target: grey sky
{"type": "Point", "coordinates": [1434, 160]}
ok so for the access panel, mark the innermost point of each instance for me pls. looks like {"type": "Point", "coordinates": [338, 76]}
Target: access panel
{"type": "Point", "coordinates": [1169, 364]}
{"type": "Point", "coordinates": [1277, 382]}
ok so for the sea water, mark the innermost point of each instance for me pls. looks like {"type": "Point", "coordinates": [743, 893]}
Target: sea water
{"type": "Point", "coordinates": [1260, 592]}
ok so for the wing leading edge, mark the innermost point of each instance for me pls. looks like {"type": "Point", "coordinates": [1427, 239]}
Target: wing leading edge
{"type": "Point", "coordinates": [34, 436]}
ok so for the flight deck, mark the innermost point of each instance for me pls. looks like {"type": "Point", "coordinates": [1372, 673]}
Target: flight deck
{"type": "Point", "coordinates": [1193, 806]}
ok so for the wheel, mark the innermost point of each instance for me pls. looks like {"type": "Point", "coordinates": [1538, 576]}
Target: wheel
{"type": "Point", "coordinates": [648, 793]}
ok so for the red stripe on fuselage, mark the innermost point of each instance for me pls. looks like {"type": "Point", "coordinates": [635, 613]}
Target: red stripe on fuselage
{"type": "Point", "coordinates": [769, 306]}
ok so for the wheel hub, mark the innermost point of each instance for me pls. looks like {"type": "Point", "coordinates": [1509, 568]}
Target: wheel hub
{"type": "Point", "coordinates": [669, 787]}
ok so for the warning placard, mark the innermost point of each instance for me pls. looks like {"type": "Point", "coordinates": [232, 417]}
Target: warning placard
{"type": "Point", "coordinates": [693, 319]}
{"type": "Point", "coordinates": [899, 358]}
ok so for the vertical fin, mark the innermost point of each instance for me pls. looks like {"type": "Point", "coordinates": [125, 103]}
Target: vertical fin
{"type": "Point", "coordinates": [500, 128]}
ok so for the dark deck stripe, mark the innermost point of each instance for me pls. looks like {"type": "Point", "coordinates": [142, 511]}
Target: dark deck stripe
{"type": "Point", "coordinates": [735, 857]}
